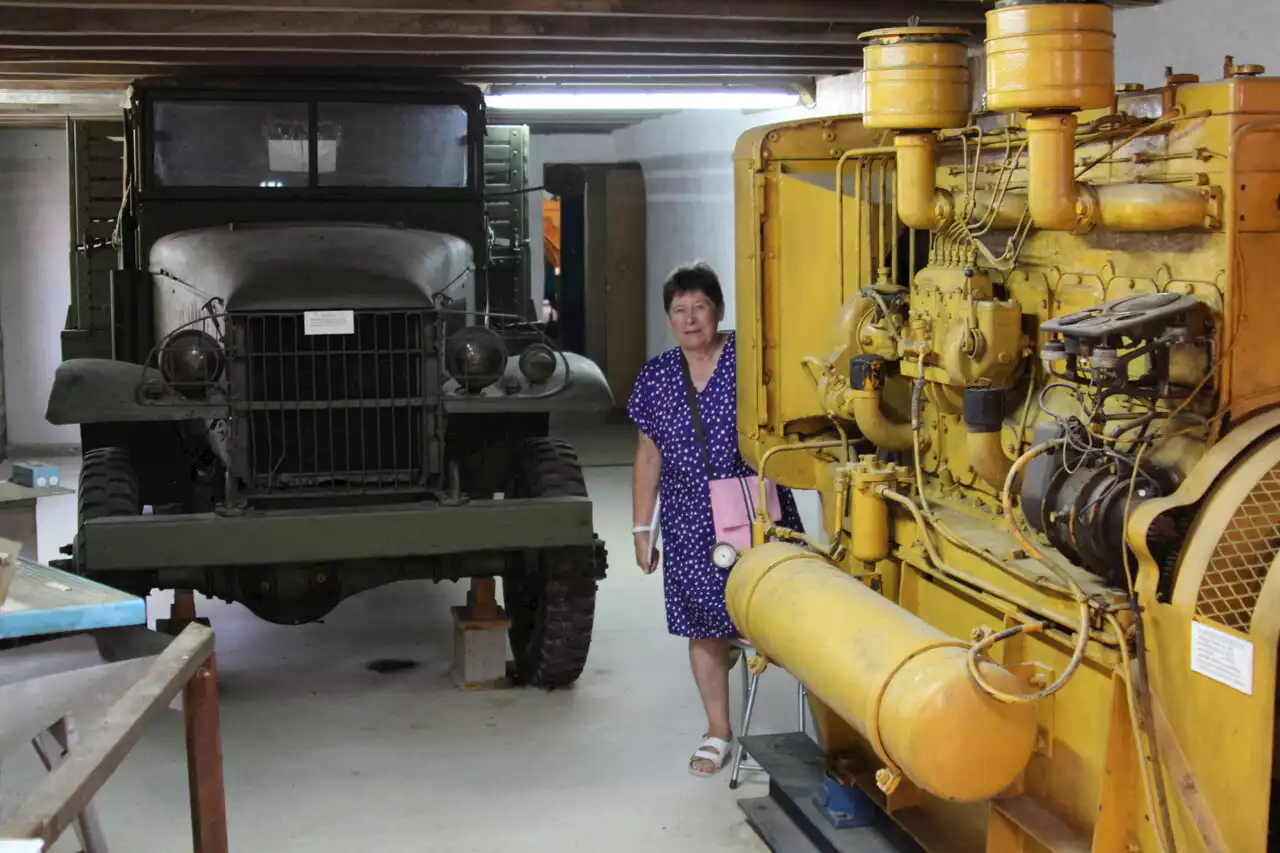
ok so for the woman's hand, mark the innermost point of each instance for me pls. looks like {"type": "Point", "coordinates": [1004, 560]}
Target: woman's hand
{"type": "Point", "coordinates": [648, 563]}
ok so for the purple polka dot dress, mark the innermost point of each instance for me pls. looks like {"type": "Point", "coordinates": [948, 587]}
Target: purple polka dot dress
{"type": "Point", "coordinates": [659, 406]}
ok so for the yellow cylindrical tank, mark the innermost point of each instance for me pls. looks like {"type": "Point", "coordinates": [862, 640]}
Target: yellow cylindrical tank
{"type": "Point", "coordinates": [1050, 56]}
{"type": "Point", "coordinates": [917, 78]}
{"type": "Point", "coordinates": [880, 669]}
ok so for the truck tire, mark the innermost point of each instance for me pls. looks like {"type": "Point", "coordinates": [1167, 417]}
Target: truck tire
{"type": "Point", "coordinates": [551, 596]}
{"type": "Point", "coordinates": [108, 485]}
{"type": "Point", "coordinates": [108, 488]}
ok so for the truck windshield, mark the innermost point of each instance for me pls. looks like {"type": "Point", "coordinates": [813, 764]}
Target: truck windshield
{"type": "Point", "coordinates": [217, 143]}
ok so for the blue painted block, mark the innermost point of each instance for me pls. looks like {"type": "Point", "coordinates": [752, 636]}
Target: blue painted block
{"type": "Point", "coordinates": [35, 475]}
{"type": "Point", "coordinates": [845, 807]}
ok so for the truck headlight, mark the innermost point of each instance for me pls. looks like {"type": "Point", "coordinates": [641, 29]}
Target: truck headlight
{"type": "Point", "coordinates": [191, 361]}
{"type": "Point", "coordinates": [476, 357]}
{"type": "Point", "coordinates": [538, 363]}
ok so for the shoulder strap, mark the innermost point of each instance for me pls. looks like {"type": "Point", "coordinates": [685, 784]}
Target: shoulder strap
{"type": "Point", "coordinates": [694, 412]}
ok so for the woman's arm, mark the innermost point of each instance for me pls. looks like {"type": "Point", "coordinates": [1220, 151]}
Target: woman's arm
{"type": "Point", "coordinates": [644, 496]}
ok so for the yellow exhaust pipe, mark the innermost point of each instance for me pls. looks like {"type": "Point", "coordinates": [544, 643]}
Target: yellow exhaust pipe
{"type": "Point", "coordinates": [898, 681]}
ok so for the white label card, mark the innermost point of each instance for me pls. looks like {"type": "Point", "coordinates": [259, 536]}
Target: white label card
{"type": "Point", "coordinates": [1223, 657]}
{"type": "Point", "coordinates": [329, 322]}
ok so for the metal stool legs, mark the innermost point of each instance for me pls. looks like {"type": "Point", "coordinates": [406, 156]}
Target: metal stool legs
{"type": "Point", "coordinates": [750, 685]}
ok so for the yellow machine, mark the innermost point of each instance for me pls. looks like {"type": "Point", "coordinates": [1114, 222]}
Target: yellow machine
{"type": "Point", "coordinates": [1030, 357]}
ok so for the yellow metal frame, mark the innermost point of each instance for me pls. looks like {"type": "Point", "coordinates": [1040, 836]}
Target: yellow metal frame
{"type": "Point", "coordinates": [984, 228]}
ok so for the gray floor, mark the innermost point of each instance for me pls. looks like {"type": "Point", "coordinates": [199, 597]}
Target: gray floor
{"type": "Point", "coordinates": [323, 754]}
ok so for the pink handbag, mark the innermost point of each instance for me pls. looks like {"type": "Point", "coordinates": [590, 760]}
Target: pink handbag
{"type": "Point", "coordinates": [733, 506]}
{"type": "Point", "coordinates": [733, 499]}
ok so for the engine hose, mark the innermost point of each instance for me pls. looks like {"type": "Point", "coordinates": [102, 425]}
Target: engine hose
{"type": "Point", "coordinates": [1082, 642]}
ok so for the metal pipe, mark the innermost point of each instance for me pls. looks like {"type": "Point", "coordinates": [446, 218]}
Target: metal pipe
{"type": "Point", "coordinates": [987, 457]}
{"type": "Point", "coordinates": [1058, 202]}
{"type": "Point", "coordinates": [900, 682]}
{"type": "Point", "coordinates": [920, 203]}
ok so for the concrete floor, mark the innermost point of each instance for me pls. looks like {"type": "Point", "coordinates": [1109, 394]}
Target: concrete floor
{"type": "Point", "coordinates": [322, 753]}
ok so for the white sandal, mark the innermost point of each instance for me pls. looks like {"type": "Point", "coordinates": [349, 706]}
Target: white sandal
{"type": "Point", "coordinates": [712, 749]}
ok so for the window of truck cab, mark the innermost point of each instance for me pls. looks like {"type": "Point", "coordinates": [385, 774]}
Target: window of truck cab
{"type": "Point", "coordinates": [341, 143]}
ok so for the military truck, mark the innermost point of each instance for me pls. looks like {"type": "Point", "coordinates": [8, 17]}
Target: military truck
{"type": "Point", "coordinates": [314, 369]}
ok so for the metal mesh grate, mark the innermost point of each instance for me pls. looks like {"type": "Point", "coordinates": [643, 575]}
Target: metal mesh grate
{"type": "Point", "coordinates": [330, 413]}
{"type": "Point", "coordinates": [1233, 581]}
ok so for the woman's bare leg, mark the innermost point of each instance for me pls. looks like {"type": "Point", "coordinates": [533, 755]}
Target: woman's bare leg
{"type": "Point", "coordinates": [710, 662]}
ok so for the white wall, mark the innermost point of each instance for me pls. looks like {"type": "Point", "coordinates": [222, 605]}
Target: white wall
{"type": "Point", "coordinates": [35, 289]}
{"type": "Point", "coordinates": [1193, 36]}
{"type": "Point", "coordinates": [687, 160]}
{"type": "Point", "coordinates": [688, 175]}
{"type": "Point", "coordinates": [551, 149]}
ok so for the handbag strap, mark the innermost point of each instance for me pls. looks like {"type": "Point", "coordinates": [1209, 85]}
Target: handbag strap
{"type": "Point", "coordinates": [696, 413]}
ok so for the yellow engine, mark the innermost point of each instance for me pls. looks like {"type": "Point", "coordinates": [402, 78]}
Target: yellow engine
{"type": "Point", "coordinates": [1028, 359]}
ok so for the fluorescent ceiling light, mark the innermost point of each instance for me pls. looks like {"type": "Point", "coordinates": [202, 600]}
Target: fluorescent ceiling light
{"type": "Point", "coordinates": [609, 102]}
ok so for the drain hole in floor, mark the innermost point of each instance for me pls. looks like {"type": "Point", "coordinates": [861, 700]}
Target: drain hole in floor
{"type": "Point", "coordinates": [385, 665]}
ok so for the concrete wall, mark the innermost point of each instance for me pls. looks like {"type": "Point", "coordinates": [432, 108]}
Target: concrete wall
{"type": "Point", "coordinates": [1193, 36]}
{"type": "Point", "coordinates": [688, 175]}
{"type": "Point", "coordinates": [35, 289]}
{"type": "Point", "coordinates": [550, 149]}
{"type": "Point", "coordinates": [688, 171]}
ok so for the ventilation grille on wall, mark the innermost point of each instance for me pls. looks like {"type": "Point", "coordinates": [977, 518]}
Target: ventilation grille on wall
{"type": "Point", "coordinates": [1234, 578]}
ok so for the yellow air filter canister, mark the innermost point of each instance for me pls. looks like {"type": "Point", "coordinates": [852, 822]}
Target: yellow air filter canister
{"type": "Point", "coordinates": [917, 78]}
{"type": "Point", "coordinates": [1045, 56]}
{"type": "Point", "coordinates": [889, 674]}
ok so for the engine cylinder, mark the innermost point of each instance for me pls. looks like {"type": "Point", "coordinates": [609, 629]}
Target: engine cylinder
{"type": "Point", "coordinates": [1050, 56]}
{"type": "Point", "coordinates": [876, 665]}
{"type": "Point", "coordinates": [917, 78]}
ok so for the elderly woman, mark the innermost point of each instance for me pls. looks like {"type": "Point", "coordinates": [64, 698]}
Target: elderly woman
{"type": "Point", "coordinates": [671, 462]}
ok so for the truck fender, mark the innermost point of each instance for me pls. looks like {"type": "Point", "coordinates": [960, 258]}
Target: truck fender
{"type": "Point", "coordinates": [578, 385]}
{"type": "Point", "coordinates": [102, 390]}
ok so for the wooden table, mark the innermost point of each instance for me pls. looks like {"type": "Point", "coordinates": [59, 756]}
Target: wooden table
{"type": "Point", "coordinates": [18, 513]}
{"type": "Point", "coordinates": [42, 699]}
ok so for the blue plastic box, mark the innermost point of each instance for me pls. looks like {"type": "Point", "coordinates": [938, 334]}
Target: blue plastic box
{"type": "Point", "coordinates": [35, 475]}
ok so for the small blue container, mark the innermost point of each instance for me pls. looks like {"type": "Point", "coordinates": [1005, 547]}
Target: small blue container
{"type": "Point", "coordinates": [35, 475]}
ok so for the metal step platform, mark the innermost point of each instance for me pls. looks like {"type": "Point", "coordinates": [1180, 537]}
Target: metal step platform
{"type": "Point", "coordinates": [789, 819]}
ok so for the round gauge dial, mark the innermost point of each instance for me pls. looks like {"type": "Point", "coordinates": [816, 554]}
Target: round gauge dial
{"type": "Point", "coordinates": [724, 555]}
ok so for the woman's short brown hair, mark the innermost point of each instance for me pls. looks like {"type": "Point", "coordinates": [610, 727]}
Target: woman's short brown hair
{"type": "Point", "coordinates": [697, 277]}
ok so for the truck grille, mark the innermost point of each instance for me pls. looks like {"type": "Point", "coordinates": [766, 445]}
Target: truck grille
{"type": "Point", "coordinates": [328, 413]}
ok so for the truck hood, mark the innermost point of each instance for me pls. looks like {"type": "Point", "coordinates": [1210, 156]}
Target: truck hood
{"type": "Point", "coordinates": [308, 266]}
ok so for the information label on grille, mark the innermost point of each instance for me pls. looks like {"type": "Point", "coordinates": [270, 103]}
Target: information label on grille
{"type": "Point", "coordinates": [329, 322]}
{"type": "Point", "coordinates": [1223, 657]}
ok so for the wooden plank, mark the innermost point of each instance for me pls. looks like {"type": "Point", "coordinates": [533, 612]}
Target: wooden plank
{"type": "Point", "coordinates": [816, 11]}
{"type": "Point", "coordinates": [204, 760]}
{"type": "Point", "coordinates": [44, 600]}
{"type": "Point", "coordinates": [663, 27]}
{"type": "Point", "coordinates": [63, 794]}
{"type": "Point", "coordinates": [32, 705]}
{"type": "Point", "coordinates": [101, 188]}
{"type": "Point", "coordinates": [463, 50]}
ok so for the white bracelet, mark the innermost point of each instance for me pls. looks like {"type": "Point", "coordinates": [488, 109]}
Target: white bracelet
{"type": "Point", "coordinates": [641, 528]}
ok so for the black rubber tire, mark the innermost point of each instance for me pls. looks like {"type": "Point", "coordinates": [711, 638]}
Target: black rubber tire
{"type": "Point", "coordinates": [108, 488]}
{"type": "Point", "coordinates": [551, 595]}
{"type": "Point", "coordinates": [108, 485]}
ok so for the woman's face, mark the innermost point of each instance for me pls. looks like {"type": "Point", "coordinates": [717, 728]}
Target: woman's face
{"type": "Point", "coordinates": [695, 319]}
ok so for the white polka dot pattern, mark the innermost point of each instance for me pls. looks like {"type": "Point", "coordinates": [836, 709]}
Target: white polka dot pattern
{"type": "Point", "coordinates": [659, 406]}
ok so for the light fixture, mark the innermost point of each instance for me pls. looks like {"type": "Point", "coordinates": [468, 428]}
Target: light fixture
{"type": "Point", "coordinates": [612, 101]}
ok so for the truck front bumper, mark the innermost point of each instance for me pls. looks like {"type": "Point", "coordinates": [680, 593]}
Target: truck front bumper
{"type": "Point", "coordinates": [258, 538]}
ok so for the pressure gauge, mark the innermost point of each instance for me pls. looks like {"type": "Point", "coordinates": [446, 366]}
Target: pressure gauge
{"type": "Point", "coordinates": [724, 555]}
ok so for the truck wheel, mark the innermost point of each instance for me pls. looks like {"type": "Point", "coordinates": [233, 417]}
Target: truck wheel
{"type": "Point", "coordinates": [108, 485]}
{"type": "Point", "coordinates": [109, 488]}
{"type": "Point", "coordinates": [551, 597]}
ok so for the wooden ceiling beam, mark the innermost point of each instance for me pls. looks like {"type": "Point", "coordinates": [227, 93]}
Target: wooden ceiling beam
{"type": "Point", "coordinates": [108, 45]}
{"type": "Point", "coordinates": [819, 11]}
{"type": "Point", "coordinates": [166, 22]}
{"type": "Point", "coordinates": [133, 70]}
{"type": "Point", "coordinates": [18, 60]}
